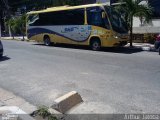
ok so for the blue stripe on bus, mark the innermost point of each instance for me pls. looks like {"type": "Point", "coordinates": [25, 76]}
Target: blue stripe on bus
{"type": "Point", "coordinates": [35, 31]}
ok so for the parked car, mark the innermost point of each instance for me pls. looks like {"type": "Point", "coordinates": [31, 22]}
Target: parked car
{"type": "Point", "coordinates": [1, 49]}
{"type": "Point", "coordinates": [157, 43]}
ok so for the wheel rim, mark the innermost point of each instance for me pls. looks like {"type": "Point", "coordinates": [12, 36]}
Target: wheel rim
{"type": "Point", "coordinates": [47, 41]}
{"type": "Point", "coordinates": [95, 46]}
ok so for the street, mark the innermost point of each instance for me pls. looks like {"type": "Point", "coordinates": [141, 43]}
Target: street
{"type": "Point", "coordinates": [109, 81]}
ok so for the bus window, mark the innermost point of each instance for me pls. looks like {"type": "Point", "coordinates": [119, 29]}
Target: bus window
{"type": "Point", "coordinates": [94, 17]}
{"type": "Point", "coordinates": [117, 21]}
{"type": "Point", "coordinates": [74, 17]}
{"type": "Point", "coordinates": [32, 19]}
{"type": "Point", "coordinates": [67, 17]}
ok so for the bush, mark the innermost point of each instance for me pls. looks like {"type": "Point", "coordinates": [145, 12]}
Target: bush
{"type": "Point", "coordinates": [44, 113]}
{"type": "Point", "coordinates": [149, 38]}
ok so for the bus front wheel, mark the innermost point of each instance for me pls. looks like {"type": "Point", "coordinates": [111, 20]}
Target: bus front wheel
{"type": "Point", "coordinates": [47, 41]}
{"type": "Point", "coordinates": [95, 44]}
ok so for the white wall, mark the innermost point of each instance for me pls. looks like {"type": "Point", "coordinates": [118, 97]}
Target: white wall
{"type": "Point", "coordinates": [102, 1]}
{"type": "Point", "coordinates": [152, 27]}
{"type": "Point", "coordinates": [152, 23]}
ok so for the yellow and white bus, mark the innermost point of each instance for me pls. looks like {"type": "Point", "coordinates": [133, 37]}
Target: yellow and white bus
{"type": "Point", "coordinates": [95, 25]}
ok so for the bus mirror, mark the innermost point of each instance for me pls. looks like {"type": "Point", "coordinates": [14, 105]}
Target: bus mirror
{"type": "Point", "coordinates": [103, 15]}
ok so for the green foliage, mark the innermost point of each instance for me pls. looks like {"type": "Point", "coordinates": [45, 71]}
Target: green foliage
{"type": "Point", "coordinates": [150, 38]}
{"type": "Point", "coordinates": [45, 114]}
{"type": "Point", "coordinates": [133, 8]}
{"type": "Point", "coordinates": [43, 111]}
{"type": "Point", "coordinates": [52, 117]}
{"type": "Point", "coordinates": [17, 24]}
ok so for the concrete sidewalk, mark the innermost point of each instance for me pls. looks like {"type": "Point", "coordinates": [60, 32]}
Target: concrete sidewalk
{"type": "Point", "coordinates": [9, 99]}
{"type": "Point", "coordinates": [15, 38]}
{"type": "Point", "coordinates": [143, 46]}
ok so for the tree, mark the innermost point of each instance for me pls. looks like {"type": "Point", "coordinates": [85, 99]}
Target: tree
{"type": "Point", "coordinates": [22, 25]}
{"type": "Point", "coordinates": [3, 7]}
{"type": "Point", "coordinates": [11, 26]}
{"type": "Point", "coordinates": [17, 25]}
{"type": "Point", "coordinates": [134, 8]}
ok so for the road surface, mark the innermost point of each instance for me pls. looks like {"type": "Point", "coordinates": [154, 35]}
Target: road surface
{"type": "Point", "coordinates": [110, 81]}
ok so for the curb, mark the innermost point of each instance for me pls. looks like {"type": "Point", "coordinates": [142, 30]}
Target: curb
{"type": "Point", "coordinates": [67, 101]}
{"type": "Point", "coordinates": [16, 39]}
{"type": "Point", "coordinates": [142, 48]}
{"type": "Point", "coordinates": [13, 113]}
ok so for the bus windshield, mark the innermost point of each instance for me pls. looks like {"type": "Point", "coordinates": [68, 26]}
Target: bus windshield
{"type": "Point", "coordinates": [32, 19]}
{"type": "Point", "coordinates": [117, 21]}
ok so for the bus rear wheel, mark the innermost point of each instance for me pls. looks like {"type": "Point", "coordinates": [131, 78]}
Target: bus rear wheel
{"type": "Point", "coordinates": [47, 41]}
{"type": "Point", "coordinates": [95, 44]}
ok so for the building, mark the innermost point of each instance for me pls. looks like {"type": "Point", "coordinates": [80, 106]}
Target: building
{"type": "Point", "coordinates": [147, 31]}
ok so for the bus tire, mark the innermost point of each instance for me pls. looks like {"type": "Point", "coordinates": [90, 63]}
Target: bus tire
{"type": "Point", "coordinates": [47, 40]}
{"type": "Point", "coordinates": [1, 56]}
{"type": "Point", "coordinates": [159, 50]}
{"type": "Point", "coordinates": [95, 44]}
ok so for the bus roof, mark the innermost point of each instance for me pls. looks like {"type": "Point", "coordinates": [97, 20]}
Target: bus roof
{"type": "Point", "coordinates": [60, 8]}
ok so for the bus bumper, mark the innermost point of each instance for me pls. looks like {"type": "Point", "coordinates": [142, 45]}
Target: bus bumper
{"type": "Point", "coordinates": [120, 44]}
{"type": "Point", "coordinates": [115, 43]}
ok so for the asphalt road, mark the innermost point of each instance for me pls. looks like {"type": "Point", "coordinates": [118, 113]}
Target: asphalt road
{"type": "Point", "coordinates": [110, 81]}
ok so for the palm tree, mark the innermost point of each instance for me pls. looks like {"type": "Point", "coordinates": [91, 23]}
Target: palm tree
{"type": "Point", "coordinates": [134, 8]}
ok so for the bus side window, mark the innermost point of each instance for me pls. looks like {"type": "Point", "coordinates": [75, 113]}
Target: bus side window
{"type": "Point", "coordinates": [74, 17]}
{"type": "Point", "coordinates": [94, 17]}
{"type": "Point", "coordinates": [65, 17]}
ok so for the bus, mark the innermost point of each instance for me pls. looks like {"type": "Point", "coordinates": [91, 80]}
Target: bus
{"type": "Point", "coordinates": [94, 25]}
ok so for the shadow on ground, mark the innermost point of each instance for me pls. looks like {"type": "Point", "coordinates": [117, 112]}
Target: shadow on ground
{"type": "Point", "coordinates": [4, 58]}
{"type": "Point", "coordinates": [123, 50]}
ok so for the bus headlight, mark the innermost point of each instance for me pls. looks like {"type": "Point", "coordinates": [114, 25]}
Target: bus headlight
{"type": "Point", "coordinates": [115, 36]}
